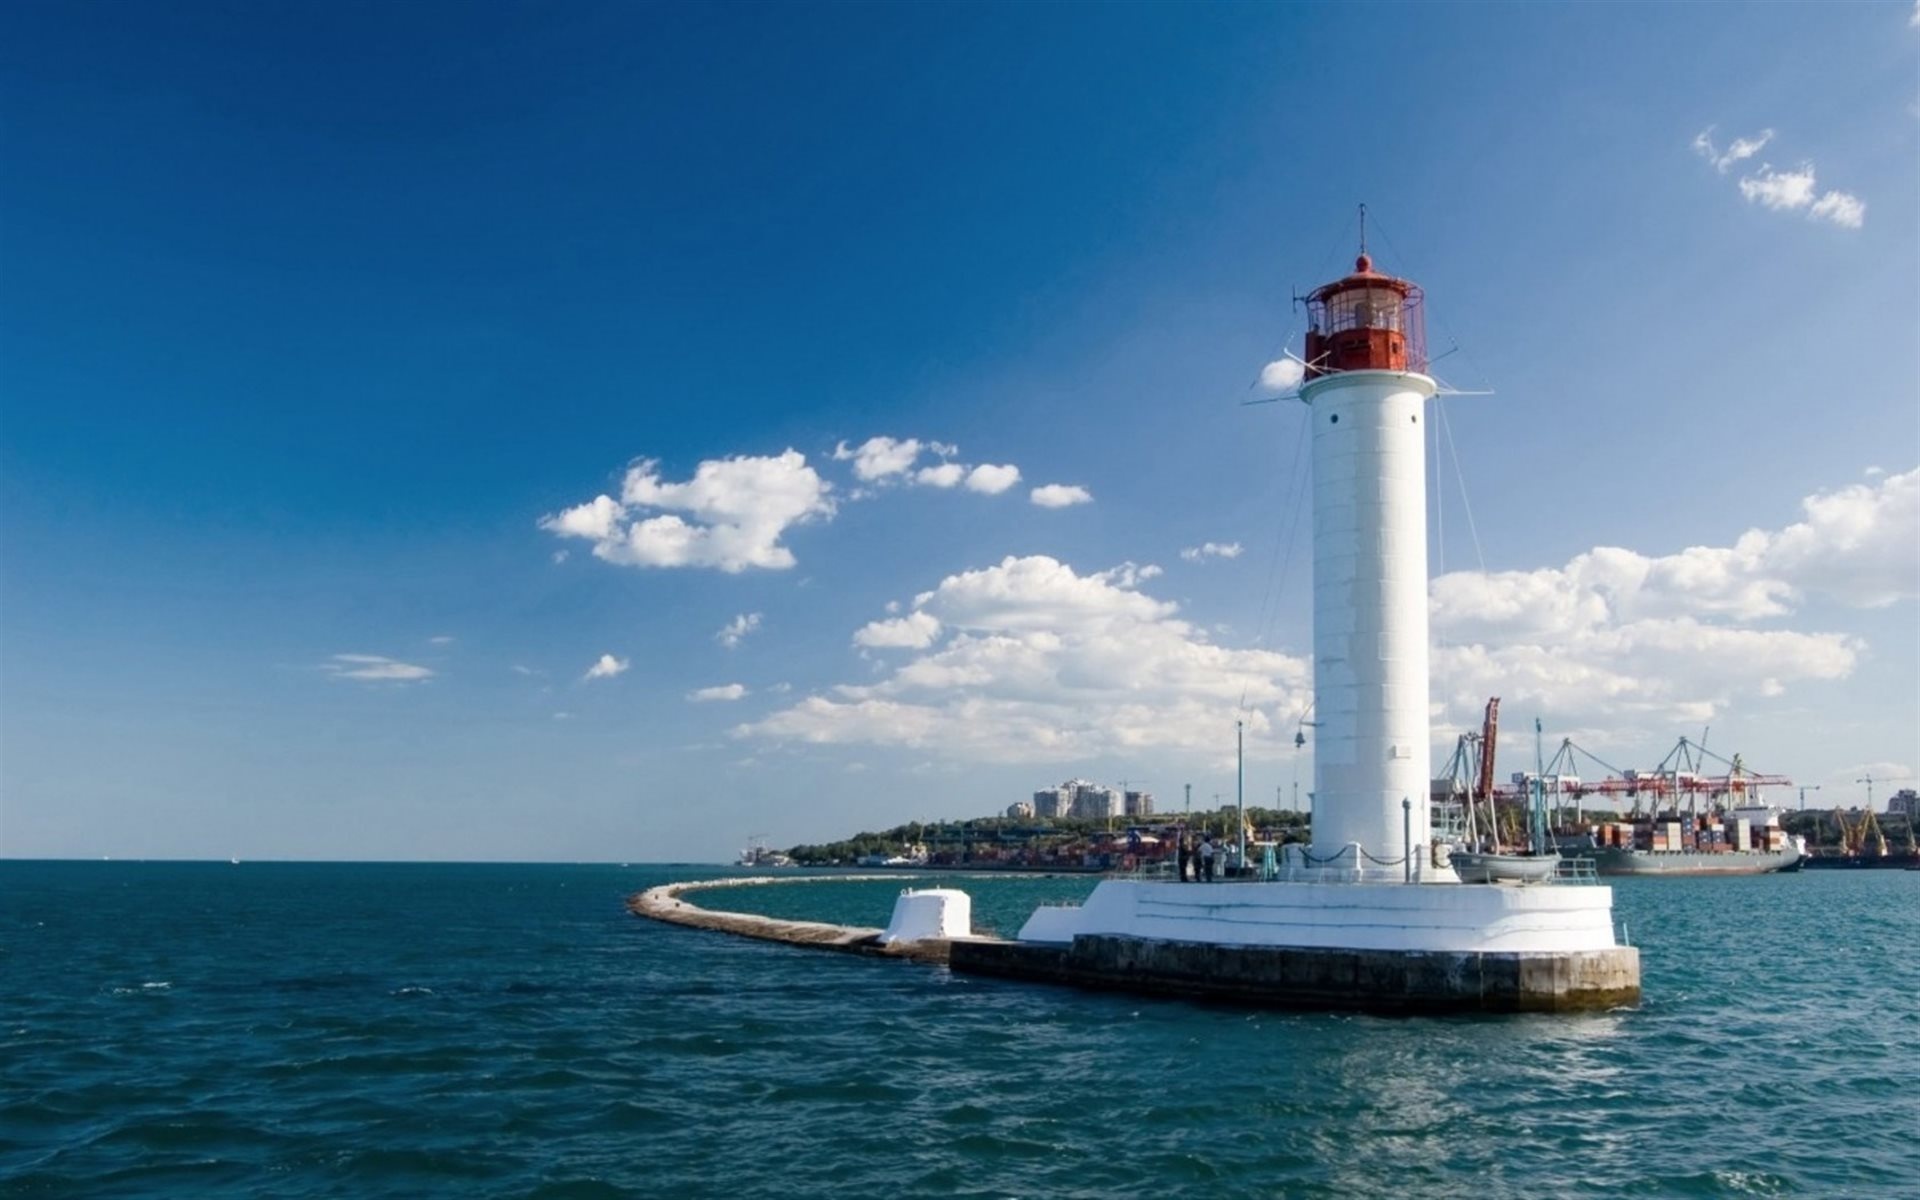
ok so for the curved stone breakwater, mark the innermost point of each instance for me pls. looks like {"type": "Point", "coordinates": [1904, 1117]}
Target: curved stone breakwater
{"type": "Point", "coordinates": [1328, 978]}
{"type": "Point", "coordinates": [663, 903]}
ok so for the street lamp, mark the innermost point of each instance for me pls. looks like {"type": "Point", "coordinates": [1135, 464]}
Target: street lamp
{"type": "Point", "coordinates": [1803, 795]}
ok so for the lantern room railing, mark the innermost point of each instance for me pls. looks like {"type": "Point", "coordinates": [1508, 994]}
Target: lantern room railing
{"type": "Point", "coordinates": [1366, 323]}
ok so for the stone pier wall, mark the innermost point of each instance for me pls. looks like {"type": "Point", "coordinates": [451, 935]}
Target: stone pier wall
{"type": "Point", "coordinates": [1388, 981]}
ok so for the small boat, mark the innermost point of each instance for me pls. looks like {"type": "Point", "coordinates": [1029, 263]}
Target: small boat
{"type": "Point", "coordinates": [1475, 866]}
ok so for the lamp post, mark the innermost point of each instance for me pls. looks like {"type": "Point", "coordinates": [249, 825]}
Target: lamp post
{"type": "Point", "coordinates": [1240, 790]}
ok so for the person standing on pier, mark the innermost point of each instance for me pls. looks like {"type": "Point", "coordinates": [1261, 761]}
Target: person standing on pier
{"type": "Point", "coordinates": [1206, 859]}
{"type": "Point", "coordinates": [1184, 852]}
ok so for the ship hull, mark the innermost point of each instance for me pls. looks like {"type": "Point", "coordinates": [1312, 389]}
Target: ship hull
{"type": "Point", "coordinates": [1613, 860]}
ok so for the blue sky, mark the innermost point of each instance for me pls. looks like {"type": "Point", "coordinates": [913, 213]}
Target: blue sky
{"type": "Point", "coordinates": [322, 328]}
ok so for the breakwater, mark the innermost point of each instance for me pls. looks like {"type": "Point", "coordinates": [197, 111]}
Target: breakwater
{"type": "Point", "coordinates": [665, 903]}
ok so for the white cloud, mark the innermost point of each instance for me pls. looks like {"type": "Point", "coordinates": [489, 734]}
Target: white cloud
{"type": "Point", "coordinates": [1780, 190]}
{"type": "Point", "coordinates": [1061, 495]}
{"type": "Point", "coordinates": [1794, 191]}
{"type": "Point", "coordinates": [735, 631]}
{"type": "Point", "coordinates": [992, 480]}
{"type": "Point", "coordinates": [915, 631]}
{"type": "Point", "coordinates": [879, 457]}
{"type": "Point", "coordinates": [886, 461]}
{"type": "Point", "coordinates": [1840, 208]}
{"type": "Point", "coordinates": [725, 691]}
{"type": "Point", "coordinates": [1913, 18]}
{"type": "Point", "coordinates": [1741, 149]}
{"type": "Point", "coordinates": [606, 668]}
{"type": "Point", "coordinates": [443, 639]}
{"type": "Point", "coordinates": [1211, 550]}
{"type": "Point", "coordinates": [1615, 636]}
{"type": "Point", "coordinates": [1038, 663]}
{"type": "Point", "coordinates": [1282, 375]}
{"type": "Point", "coordinates": [374, 668]}
{"type": "Point", "coordinates": [945, 475]}
{"type": "Point", "coordinates": [739, 508]}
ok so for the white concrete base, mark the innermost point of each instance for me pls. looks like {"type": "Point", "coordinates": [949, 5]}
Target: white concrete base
{"type": "Point", "coordinates": [929, 913]}
{"type": "Point", "coordinates": [1347, 916]}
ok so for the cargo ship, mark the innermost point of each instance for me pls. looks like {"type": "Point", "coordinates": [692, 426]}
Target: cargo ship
{"type": "Point", "coordinates": [1741, 841]}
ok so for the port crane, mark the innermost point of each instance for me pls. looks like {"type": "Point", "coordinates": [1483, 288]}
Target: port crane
{"type": "Point", "coordinates": [1686, 773]}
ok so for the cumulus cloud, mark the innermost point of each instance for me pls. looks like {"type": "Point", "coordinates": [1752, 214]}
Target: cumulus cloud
{"type": "Point", "coordinates": [945, 475]}
{"type": "Point", "coordinates": [879, 457]}
{"type": "Point", "coordinates": [1780, 190]}
{"type": "Point", "coordinates": [1060, 495]}
{"type": "Point", "coordinates": [1792, 191]}
{"type": "Point", "coordinates": [1840, 208]}
{"type": "Point", "coordinates": [1618, 636]}
{"type": "Point", "coordinates": [991, 480]}
{"type": "Point", "coordinates": [1282, 375]}
{"type": "Point", "coordinates": [881, 462]}
{"type": "Point", "coordinates": [725, 691]}
{"type": "Point", "coordinates": [1031, 661]}
{"type": "Point", "coordinates": [606, 668]}
{"type": "Point", "coordinates": [735, 512]}
{"type": "Point", "coordinates": [735, 631]}
{"type": "Point", "coordinates": [1208, 550]}
{"type": "Point", "coordinates": [374, 668]}
{"type": "Point", "coordinates": [915, 631]}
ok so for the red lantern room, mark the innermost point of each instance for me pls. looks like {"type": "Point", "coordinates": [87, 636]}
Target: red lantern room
{"type": "Point", "coordinates": [1365, 322]}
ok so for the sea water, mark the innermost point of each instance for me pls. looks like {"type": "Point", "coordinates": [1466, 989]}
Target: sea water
{"type": "Point", "coordinates": [304, 1030]}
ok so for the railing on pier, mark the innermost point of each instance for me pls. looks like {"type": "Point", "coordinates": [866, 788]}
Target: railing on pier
{"type": "Point", "coordinates": [1576, 870]}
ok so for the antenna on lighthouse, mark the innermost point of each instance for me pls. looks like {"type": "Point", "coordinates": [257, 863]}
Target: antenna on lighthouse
{"type": "Point", "coordinates": [1363, 229]}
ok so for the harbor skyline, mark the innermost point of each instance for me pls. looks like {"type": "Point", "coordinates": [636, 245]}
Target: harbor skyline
{"type": "Point", "coordinates": [518, 461]}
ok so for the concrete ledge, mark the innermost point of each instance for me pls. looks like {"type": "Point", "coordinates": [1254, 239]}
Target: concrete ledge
{"type": "Point", "coordinates": [663, 903]}
{"type": "Point", "coordinates": [1385, 981]}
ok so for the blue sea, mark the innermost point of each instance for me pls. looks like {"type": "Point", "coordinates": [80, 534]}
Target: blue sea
{"type": "Point", "coordinates": [294, 1030]}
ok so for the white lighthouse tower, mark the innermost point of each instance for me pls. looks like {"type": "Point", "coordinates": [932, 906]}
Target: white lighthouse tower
{"type": "Point", "coordinates": [1365, 355]}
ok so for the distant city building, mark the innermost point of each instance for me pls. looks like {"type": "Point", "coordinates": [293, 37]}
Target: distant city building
{"type": "Point", "coordinates": [1096, 802]}
{"type": "Point", "coordinates": [1053, 802]}
{"type": "Point", "coordinates": [1904, 803]}
{"type": "Point", "coordinates": [1084, 800]}
{"type": "Point", "coordinates": [1021, 810]}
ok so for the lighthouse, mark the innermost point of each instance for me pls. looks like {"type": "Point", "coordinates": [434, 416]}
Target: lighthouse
{"type": "Point", "coordinates": [1369, 915]}
{"type": "Point", "coordinates": [1366, 388]}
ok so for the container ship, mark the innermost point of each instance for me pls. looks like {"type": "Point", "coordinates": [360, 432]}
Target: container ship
{"type": "Point", "coordinates": [1742, 841]}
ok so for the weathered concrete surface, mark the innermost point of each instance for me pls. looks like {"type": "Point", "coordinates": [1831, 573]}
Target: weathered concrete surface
{"type": "Point", "coordinates": [1388, 981]}
{"type": "Point", "coordinates": [663, 903]}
